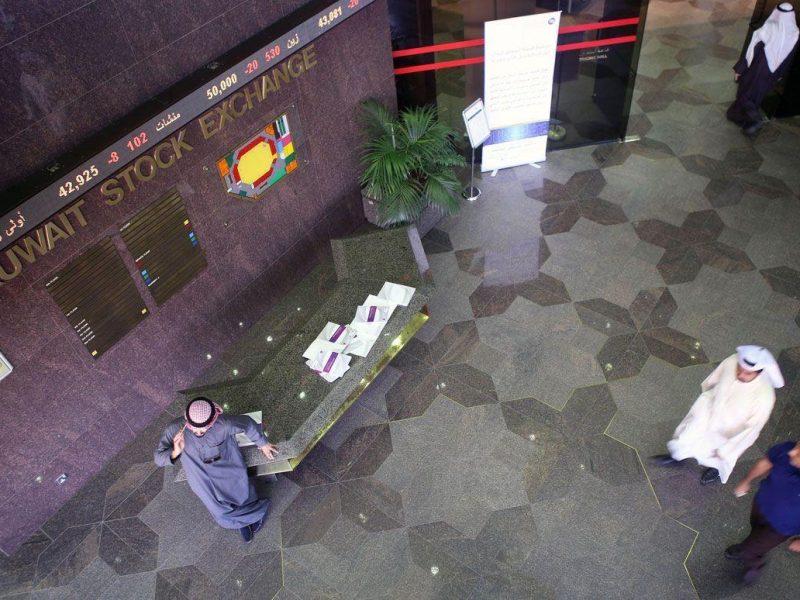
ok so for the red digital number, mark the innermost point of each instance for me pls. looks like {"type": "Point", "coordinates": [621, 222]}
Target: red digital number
{"type": "Point", "coordinates": [137, 141]}
{"type": "Point", "coordinates": [352, 4]}
{"type": "Point", "coordinates": [272, 53]}
{"type": "Point", "coordinates": [251, 67]}
{"type": "Point", "coordinates": [113, 157]}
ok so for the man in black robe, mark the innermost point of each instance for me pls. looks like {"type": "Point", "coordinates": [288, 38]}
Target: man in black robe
{"type": "Point", "coordinates": [767, 59]}
{"type": "Point", "coordinates": [205, 439]}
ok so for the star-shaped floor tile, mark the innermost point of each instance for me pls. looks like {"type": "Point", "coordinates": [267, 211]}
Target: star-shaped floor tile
{"type": "Point", "coordinates": [733, 176]}
{"type": "Point", "coordinates": [661, 91]}
{"type": "Point", "coordinates": [695, 56]}
{"type": "Point", "coordinates": [786, 281]}
{"type": "Point", "coordinates": [783, 280]}
{"type": "Point", "coordinates": [611, 155]}
{"type": "Point", "coordinates": [439, 367]}
{"type": "Point", "coordinates": [340, 482]}
{"type": "Point", "coordinates": [638, 332]}
{"type": "Point", "coordinates": [690, 246]}
{"type": "Point", "coordinates": [508, 272]}
{"type": "Point", "coordinates": [574, 442]}
{"type": "Point", "coordinates": [568, 202]}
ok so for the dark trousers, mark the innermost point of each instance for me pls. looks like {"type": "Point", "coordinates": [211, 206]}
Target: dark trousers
{"type": "Point", "coordinates": [761, 540]}
{"type": "Point", "coordinates": [744, 112]}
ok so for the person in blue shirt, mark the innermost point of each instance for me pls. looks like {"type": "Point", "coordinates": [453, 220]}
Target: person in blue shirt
{"type": "Point", "coordinates": [775, 516]}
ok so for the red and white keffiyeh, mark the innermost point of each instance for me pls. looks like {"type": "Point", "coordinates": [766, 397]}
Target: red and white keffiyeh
{"type": "Point", "coordinates": [201, 413]}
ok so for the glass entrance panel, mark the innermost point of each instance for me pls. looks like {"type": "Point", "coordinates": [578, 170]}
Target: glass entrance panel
{"type": "Point", "coordinates": [439, 59]}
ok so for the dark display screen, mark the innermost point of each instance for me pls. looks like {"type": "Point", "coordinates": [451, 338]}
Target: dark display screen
{"type": "Point", "coordinates": [164, 246]}
{"type": "Point", "coordinates": [66, 189]}
{"type": "Point", "coordinates": [97, 295]}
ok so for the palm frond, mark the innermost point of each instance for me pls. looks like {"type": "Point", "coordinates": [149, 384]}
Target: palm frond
{"type": "Point", "coordinates": [384, 167]}
{"type": "Point", "coordinates": [376, 118]}
{"type": "Point", "coordinates": [408, 162]}
{"type": "Point", "coordinates": [441, 191]}
{"type": "Point", "coordinates": [417, 122]}
{"type": "Point", "coordinates": [404, 206]}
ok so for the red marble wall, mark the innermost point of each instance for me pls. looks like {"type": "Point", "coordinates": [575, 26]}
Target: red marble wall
{"type": "Point", "coordinates": [65, 412]}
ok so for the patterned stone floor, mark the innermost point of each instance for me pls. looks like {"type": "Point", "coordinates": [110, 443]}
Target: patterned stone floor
{"type": "Point", "coordinates": [501, 454]}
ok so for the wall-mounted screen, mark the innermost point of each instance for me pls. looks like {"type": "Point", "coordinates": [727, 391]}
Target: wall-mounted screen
{"type": "Point", "coordinates": [98, 296]}
{"type": "Point", "coordinates": [164, 246]}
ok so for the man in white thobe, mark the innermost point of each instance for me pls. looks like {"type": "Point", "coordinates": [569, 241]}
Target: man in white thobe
{"type": "Point", "coordinates": [735, 403]}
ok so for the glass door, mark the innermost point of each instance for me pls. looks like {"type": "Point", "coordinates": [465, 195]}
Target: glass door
{"type": "Point", "coordinates": [438, 59]}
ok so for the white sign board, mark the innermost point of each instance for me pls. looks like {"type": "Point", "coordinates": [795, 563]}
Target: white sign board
{"type": "Point", "coordinates": [476, 122]}
{"type": "Point", "coordinates": [518, 84]}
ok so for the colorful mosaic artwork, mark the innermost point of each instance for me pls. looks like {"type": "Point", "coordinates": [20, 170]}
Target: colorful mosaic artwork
{"type": "Point", "coordinates": [260, 161]}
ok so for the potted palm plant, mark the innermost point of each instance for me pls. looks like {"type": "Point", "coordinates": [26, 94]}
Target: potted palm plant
{"type": "Point", "coordinates": [409, 164]}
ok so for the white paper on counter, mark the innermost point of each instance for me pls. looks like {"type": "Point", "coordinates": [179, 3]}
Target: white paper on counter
{"type": "Point", "coordinates": [367, 330]}
{"type": "Point", "coordinates": [329, 365]}
{"type": "Point", "coordinates": [367, 333]}
{"type": "Point", "coordinates": [328, 362]}
{"type": "Point", "coordinates": [322, 345]}
{"type": "Point", "coordinates": [333, 332]}
{"type": "Point", "coordinates": [360, 345]}
{"type": "Point", "coordinates": [372, 314]}
{"type": "Point", "coordinates": [396, 293]}
{"type": "Point", "coordinates": [373, 300]}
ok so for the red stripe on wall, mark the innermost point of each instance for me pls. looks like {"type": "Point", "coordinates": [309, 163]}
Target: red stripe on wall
{"type": "Point", "coordinates": [599, 25]}
{"type": "Point", "coordinates": [448, 64]}
{"type": "Point", "coordinates": [438, 48]}
{"type": "Point", "coordinates": [628, 39]}
{"type": "Point", "coordinates": [479, 41]}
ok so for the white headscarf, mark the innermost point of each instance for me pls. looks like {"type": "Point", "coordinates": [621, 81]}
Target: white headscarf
{"type": "Point", "coordinates": [779, 34]}
{"type": "Point", "coordinates": [756, 358]}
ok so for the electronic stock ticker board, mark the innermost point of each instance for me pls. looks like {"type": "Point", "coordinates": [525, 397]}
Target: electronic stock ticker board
{"type": "Point", "coordinates": [136, 142]}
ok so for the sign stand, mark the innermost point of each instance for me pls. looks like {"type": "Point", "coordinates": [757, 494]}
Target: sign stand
{"type": "Point", "coordinates": [478, 131]}
{"type": "Point", "coordinates": [518, 69]}
{"type": "Point", "coordinates": [471, 193]}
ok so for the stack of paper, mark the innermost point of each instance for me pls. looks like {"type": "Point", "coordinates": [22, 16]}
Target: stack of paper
{"type": "Point", "coordinates": [333, 338]}
{"type": "Point", "coordinates": [374, 311]}
{"type": "Point", "coordinates": [328, 353]}
{"type": "Point", "coordinates": [396, 293]}
{"type": "Point", "coordinates": [338, 334]}
{"type": "Point", "coordinates": [370, 319]}
{"type": "Point", "coordinates": [324, 352]}
{"type": "Point", "coordinates": [329, 365]}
